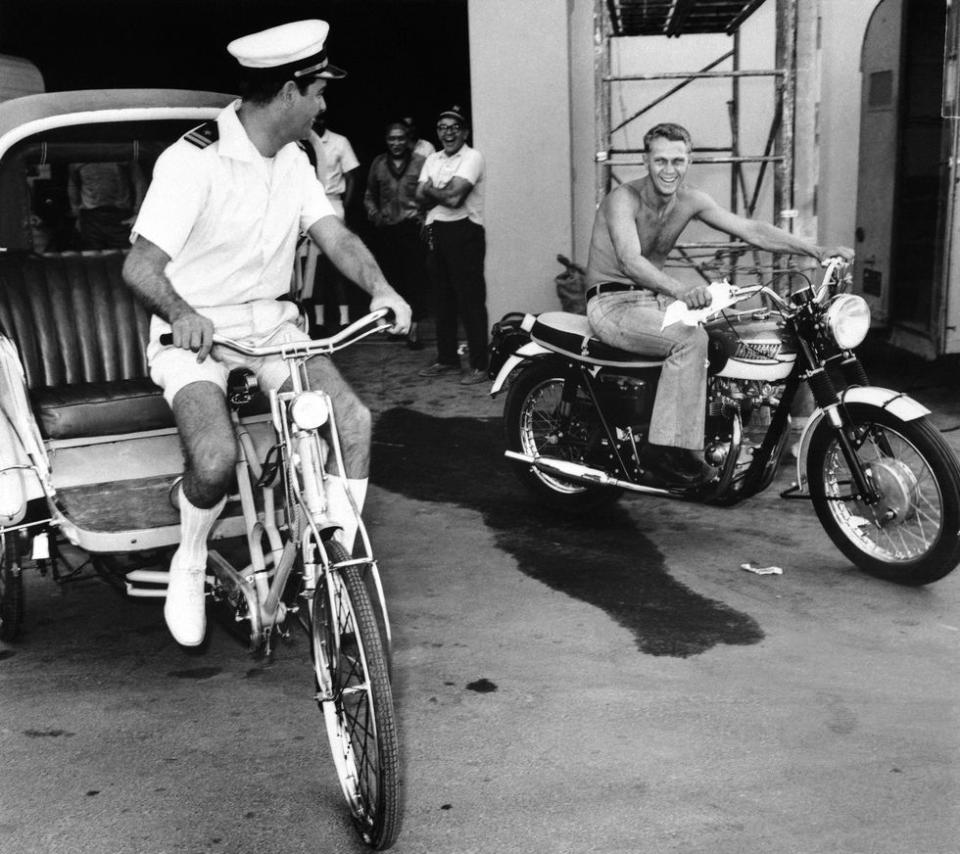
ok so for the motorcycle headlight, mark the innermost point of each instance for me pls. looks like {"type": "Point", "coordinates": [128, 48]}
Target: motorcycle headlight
{"type": "Point", "coordinates": [848, 318]}
{"type": "Point", "coordinates": [309, 410]}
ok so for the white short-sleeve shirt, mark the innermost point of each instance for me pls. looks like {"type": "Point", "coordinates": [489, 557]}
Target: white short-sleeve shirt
{"type": "Point", "coordinates": [466, 163]}
{"type": "Point", "coordinates": [229, 219]}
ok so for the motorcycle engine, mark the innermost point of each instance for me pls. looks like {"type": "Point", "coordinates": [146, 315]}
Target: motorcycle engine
{"type": "Point", "coordinates": [754, 401]}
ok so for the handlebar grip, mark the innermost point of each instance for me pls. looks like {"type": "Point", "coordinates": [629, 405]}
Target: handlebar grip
{"type": "Point", "coordinates": [166, 339]}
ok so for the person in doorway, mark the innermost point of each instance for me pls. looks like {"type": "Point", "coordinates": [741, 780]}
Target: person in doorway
{"type": "Point", "coordinates": [213, 250]}
{"type": "Point", "coordinates": [391, 206]}
{"type": "Point", "coordinates": [423, 147]}
{"type": "Point", "coordinates": [104, 199]}
{"type": "Point", "coordinates": [336, 169]}
{"type": "Point", "coordinates": [636, 227]}
{"type": "Point", "coordinates": [451, 189]}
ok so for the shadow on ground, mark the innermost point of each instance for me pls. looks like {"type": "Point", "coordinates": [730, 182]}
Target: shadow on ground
{"type": "Point", "coordinates": [605, 561]}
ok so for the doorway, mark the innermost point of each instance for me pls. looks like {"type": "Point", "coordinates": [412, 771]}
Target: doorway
{"type": "Point", "coordinates": [902, 178]}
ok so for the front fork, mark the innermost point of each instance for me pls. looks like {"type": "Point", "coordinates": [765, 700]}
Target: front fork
{"type": "Point", "coordinates": [849, 436]}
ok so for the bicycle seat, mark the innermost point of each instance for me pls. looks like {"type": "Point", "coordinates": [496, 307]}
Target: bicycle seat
{"type": "Point", "coordinates": [571, 335]}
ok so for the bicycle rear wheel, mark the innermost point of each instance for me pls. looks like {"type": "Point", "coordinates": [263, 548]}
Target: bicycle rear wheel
{"type": "Point", "coordinates": [356, 699]}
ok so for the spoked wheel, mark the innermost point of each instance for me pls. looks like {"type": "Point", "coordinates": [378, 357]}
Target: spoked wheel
{"type": "Point", "coordinates": [911, 535]}
{"type": "Point", "coordinates": [357, 701]}
{"type": "Point", "coordinates": [538, 422]}
{"type": "Point", "coordinates": [11, 588]}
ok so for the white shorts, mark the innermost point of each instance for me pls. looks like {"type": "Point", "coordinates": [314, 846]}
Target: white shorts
{"type": "Point", "coordinates": [172, 368]}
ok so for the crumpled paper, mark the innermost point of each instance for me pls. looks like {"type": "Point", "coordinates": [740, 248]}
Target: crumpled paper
{"type": "Point", "coordinates": [677, 311]}
{"type": "Point", "coordinates": [761, 570]}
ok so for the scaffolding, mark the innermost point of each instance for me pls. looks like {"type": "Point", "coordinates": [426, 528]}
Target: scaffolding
{"type": "Point", "coordinates": [616, 19]}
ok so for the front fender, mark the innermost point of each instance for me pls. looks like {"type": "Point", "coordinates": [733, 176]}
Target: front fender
{"type": "Point", "coordinates": [527, 351]}
{"type": "Point", "coordinates": [896, 403]}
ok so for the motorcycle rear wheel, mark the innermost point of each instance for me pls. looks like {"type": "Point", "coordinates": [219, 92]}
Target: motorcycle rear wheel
{"type": "Point", "coordinates": [11, 588]}
{"type": "Point", "coordinates": [535, 426]}
{"type": "Point", "coordinates": [911, 536]}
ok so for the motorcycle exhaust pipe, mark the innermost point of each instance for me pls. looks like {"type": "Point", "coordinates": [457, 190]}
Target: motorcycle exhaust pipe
{"type": "Point", "coordinates": [581, 473]}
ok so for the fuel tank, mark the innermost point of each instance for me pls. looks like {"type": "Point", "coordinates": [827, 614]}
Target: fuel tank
{"type": "Point", "coordinates": [751, 348]}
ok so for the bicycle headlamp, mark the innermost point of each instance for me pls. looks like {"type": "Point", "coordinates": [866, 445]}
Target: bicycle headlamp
{"type": "Point", "coordinates": [848, 319]}
{"type": "Point", "coordinates": [309, 410]}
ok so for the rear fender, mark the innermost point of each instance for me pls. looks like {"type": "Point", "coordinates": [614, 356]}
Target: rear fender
{"type": "Point", "coordinates": [527, 351]}
{"type": "Point", "coordinates": [896, 403]}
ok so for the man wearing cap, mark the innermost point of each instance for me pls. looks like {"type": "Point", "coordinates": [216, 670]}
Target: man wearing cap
{"type": "Point", "coordinates": [213, 249]}
{"type": "Point", "coordinates": [451, 189]}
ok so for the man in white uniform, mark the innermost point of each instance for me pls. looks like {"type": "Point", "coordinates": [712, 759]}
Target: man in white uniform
{"type": "Point", "coordinates": [213, 249]}
{"type": "Point", "coordinates": [336, 169]}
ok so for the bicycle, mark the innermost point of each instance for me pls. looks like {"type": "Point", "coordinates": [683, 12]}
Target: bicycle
{"type": "Point", "coordinates": [295, 559]}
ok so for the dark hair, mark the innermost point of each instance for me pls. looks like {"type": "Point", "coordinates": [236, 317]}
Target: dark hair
{"type": "Point", "coordinates": [398, 123]}
{"type": "Point", "coordinates": [667, 130]}
{"type": "Point", "coordinates": [259, 86]}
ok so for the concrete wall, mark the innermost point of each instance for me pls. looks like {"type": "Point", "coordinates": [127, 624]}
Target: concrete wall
{"type": "Point", "coordinates": [520, 80]}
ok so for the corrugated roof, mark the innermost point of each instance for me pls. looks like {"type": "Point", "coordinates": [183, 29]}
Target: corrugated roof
{"type": "Point", "coordinates": [678, 17]}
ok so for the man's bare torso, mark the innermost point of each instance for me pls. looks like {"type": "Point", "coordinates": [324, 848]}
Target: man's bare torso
{"type": "Point", "coordinates": [658, 231]}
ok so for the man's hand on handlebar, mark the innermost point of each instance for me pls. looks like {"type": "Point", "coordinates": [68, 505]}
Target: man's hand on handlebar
{"type": "Point", "coordinates": [698, 296]}
{"type": "Point", "coordinates": [828, 252]}
{"type": "Point", "coordinates": [401, 311]}
{"type": "Point", "coordinates": [193, 331]}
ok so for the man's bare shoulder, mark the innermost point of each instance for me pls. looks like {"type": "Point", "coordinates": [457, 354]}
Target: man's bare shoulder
{"type": "Point", "coordinates": [694, 200]}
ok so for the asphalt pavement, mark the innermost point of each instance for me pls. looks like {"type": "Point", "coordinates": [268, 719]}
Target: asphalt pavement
{"type": "Point", "coordinates": [605, 685]}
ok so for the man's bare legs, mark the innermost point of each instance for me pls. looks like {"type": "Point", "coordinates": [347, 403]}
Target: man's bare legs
{"type": "Point", "coordinates": [354, 425]}
{"type": "Point", "coordinates": [210, 454]}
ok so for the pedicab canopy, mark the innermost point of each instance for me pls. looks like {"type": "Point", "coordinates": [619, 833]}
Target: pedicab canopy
{"type": "Point", "coordinates": [40, 135]}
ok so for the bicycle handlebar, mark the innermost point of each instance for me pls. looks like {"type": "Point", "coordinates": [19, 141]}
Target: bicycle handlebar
{"type": "Point", "coordinates": [376, 321]}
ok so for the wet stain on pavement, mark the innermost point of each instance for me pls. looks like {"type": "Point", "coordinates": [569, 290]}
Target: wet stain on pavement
{"type": "Point", "coordinates": [47, 733]}
{"type": "Point", "coordinates": [481, 686]}
{"type": "Point", "coordinates": [603, 560]}
{"type": "Point", "coordinates": [195, 673]}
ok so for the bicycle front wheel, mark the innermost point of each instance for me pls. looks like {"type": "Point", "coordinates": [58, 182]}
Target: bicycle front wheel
{"type": "Point", "coordinates": [356, 699]}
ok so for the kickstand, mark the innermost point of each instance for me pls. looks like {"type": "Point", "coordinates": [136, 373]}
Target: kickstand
{"type": "Point", "coordinates": [793, 493]}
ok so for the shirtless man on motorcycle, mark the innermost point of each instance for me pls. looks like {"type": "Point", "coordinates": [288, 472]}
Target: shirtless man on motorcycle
{"type": "Point", "coordinates": [636, 227]}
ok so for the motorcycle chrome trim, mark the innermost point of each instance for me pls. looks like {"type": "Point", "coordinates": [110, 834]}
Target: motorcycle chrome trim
{"type": "Point", "coordinates": [584, 474]}
{"type": "Point", "coordinates": [527, 351]}
{"type": "Point", "coordinates": [896, 403]}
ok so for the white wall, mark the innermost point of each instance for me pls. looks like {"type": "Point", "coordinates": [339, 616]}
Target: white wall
{"type": "Point", "coordinates": [520, 81]}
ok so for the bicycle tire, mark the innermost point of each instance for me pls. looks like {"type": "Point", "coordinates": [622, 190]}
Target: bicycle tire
{"type": "Point", "coordinates": [358, 710]}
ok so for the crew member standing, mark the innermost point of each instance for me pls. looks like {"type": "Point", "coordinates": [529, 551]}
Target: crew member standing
{"type": "Point", "coordinates": [451, 188]}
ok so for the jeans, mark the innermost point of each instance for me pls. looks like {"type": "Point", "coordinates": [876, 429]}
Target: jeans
{"type": "Point", "coordinates": [631, 321]}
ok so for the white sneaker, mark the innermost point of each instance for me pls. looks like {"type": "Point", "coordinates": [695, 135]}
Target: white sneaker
{"type": "Point", "coordinates": [185, 608]}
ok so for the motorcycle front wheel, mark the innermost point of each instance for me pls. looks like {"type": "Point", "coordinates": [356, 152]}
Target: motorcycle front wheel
{"type": "Point", "coordinates": [537, 423]}
{"type": "Point", "coordinates": [912, 535]}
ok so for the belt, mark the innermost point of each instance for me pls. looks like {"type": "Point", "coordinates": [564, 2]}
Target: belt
{"type": "Point", "coordinates": [612, 288]}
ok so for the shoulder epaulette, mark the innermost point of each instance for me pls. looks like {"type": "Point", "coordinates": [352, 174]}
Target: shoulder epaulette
{"type": "Point", "coordinates": [203, 135]}
{"type": "Point", "coordinates": [310, 151]}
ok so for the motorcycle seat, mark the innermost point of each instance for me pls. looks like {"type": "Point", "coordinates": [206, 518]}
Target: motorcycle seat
{"type": "Point", "coordinates": [571, 335]}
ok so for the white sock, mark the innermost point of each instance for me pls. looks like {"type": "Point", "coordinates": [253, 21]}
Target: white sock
{"type": "Point", "coordinates": [344, 315]}
{"type": "Point", "coordinates": [195, 526]}
{"type": "Point", "coordinates": [318, 314]}
{"type": "Point", "coordinates": [338, 505]}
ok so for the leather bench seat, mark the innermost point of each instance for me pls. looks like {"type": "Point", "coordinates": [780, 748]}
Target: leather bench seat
{"type": "Point", "coordinates": [82, 337]}
{"type": "Point", "coordinates": [571, 334]}
{"type": "Point", "coordinates": [100, 409]}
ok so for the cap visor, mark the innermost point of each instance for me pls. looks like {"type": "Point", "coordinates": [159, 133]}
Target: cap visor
{"type": "Point", "coordinates": [331, 72]}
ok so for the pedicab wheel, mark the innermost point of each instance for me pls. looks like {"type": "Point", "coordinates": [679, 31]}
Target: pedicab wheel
{"type": "Point", "coordinates": [11, 589]}
{"type": "Point", "coordinates": [355, 696]}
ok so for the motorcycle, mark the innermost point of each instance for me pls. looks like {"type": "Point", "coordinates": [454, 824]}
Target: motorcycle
{"type": "Point", "coordinates": [882, 480]}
